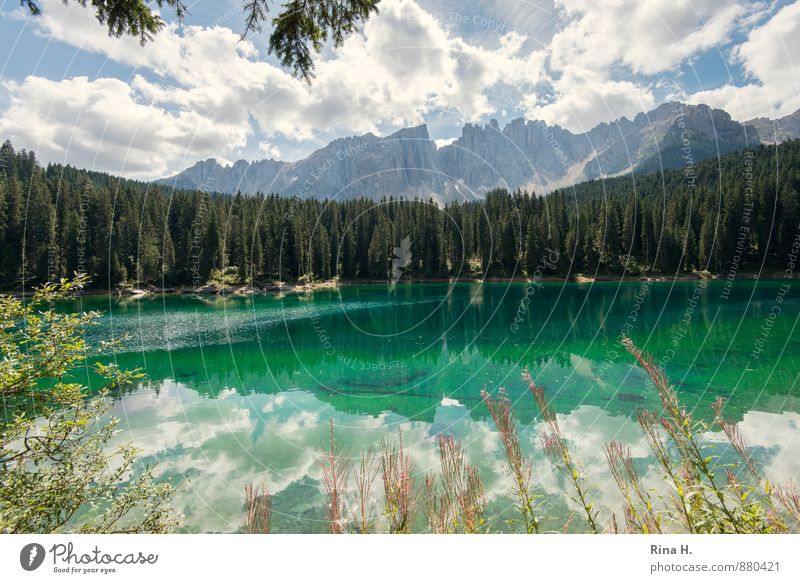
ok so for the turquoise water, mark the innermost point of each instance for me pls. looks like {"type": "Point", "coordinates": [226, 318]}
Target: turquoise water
{"type": "Point", "coordinates": [242, 389]}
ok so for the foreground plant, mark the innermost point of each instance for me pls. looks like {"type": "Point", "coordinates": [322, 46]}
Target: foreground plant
{"type": "Point", "coordinates": [519, 467]}
{"type": "Point", "coordinates": [55, 472]}
{"type": "Point", "coordinates": [459, 505]}
{"type": "Point", "coordinates": [398, 486]}
{"type": "Point", "coordinates": [257, 510]}
{"type": "Point", "coordinates": [335, 475]}
{"type": "Point", "coordinates": [555, 446]}
{"type": "Point", "coordinates": [702, 501]}
{"type": "Point", "coordinates": [645, 520]}
{"type": "Point", "coordinates": [790, 499]}
{"type": "Point", "coordinates": [365, 475]}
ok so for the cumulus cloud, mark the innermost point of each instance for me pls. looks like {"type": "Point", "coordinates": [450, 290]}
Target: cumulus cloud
{"type": "Point", "coordinates": [270, 150]}
{"type": "Point", "coordinates": [199, 92]}
{"type": "Point", "coordinates": [603, 37]}
{"type": "Point", "coordinates": [584, 98]}
{"type": "Point", "coordinates": [649, 37]}
{"type": "Point", "coordinates": [768, 57]}
{"type": "Point", "coordinates": [104, 124]}
{"type": "Point", "coordinates": [188, 98]}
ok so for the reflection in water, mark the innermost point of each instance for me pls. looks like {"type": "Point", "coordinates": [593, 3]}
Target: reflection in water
{"type": "Point", "coordinates": [223, 443]}
{"type": "Point", "coordinates": [242, 389]}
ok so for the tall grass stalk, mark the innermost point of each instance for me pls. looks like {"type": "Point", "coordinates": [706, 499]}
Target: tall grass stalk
{"type": "Point", "coordinates": [257, 510]}
{"type": "Point", "coordinates": [628, 481]}
{"type": "Point", "coordinates": [399, 495]}
{"type": "Point", "coordinates": [682, 502]}
{"type": "Point", "coordinates": [519, 467]}
{"type": "Point", "coordinates": [365, 475]}
{"type": "Point", "coordinates": [556, 447]}
{"type": "Point", "coordinates": [790, 499]}
{"type": "Point", "coordinates": [335, 475]}
{"type": "Point", "coordinates": [460, 504]}
{"type": "Point", "coordinates": [707, 503]}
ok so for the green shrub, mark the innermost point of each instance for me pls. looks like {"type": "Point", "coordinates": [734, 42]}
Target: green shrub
{"type": "Point", "coordinates": [56, 474]}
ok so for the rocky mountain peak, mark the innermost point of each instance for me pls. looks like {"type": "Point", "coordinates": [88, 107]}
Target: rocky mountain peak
{"type": "Point", "coordinates": [523, 154]}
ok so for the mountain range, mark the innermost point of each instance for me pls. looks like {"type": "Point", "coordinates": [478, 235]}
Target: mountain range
{"type": "Point", "coordinates": [523, 154]}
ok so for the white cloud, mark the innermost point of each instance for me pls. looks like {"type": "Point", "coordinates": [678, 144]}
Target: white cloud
{"type": "Point", "coordinates": [103, 124]}
{"type": "Point", "coordinates": [768, 57]}
{"type": "Point", "coordinates": [603, 36]}
{"type": "Point", "coordinates": [199, 92]}
{"type": "Point", "coordinates": [584, 99]}
{"type": "Point", "coordinates": [405, 65]}
{"type": "Point", "coordinates": [441, 143]}
{"type": "Point", "coordinates": [189, 98]}
{"type": "Point", "coordinates": [269, 150]}
{"type": "Point", "coordinates": [649, 37]}
{"type": "Point", "coordinates": [773, 439]}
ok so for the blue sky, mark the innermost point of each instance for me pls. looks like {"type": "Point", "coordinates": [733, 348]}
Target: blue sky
{"type": "Point", "coordinates": [73, 94]}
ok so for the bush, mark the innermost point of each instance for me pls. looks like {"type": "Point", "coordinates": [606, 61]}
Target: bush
{"type": "Point", "coordinates": [55, 472]}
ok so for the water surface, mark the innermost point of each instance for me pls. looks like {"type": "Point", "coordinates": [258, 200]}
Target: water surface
{"type": "Point", "coordinates": [242, 389]}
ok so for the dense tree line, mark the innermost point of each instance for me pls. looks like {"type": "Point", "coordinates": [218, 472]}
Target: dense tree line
{"type": "Point", "coordinates": [729, 214]}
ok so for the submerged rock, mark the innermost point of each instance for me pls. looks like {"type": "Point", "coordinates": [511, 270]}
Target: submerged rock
{"type": "Point", "coordinates": [133, 292]}
{"type": "Point", "coordinates": [630, 397]}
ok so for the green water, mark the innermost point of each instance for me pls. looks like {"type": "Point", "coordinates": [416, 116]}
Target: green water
{"type": "Point", "coordinates": [242, 389]}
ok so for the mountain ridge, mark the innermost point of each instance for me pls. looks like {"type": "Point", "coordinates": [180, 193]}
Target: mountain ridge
{"type": "Point", "coordinates": [528, 154]}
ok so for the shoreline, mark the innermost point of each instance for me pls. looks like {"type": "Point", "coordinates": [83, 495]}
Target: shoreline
{"type": "Point", "coordinates": [298, 288]}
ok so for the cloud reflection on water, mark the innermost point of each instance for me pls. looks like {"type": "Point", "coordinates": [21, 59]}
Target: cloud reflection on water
{"type": "Point", "coordinates": [223, 443]}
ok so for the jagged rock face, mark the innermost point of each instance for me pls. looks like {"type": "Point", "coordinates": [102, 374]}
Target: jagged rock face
{"type": "Point", "coordinates": [520, 154]}
{"type": "Point", "coordinates": [699, 133]}
{"type": "Point", "coordinates": [523, 154]}
{"type": "Point", "coordinates": [209, 175]}
{"type": "Point", "coordinates": [402, 164]}
{"type": "Point", "coordinates": [779, 130]}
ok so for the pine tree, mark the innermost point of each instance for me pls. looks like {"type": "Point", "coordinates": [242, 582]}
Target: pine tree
{"type": "Point", "coordinates": [534, 250]}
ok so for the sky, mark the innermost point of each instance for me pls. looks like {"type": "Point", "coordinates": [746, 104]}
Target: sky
{"type": "Point", "coordinates": [74, 95]}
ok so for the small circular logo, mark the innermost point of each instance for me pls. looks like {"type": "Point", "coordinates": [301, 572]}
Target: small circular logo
{"type": "Point", "coordinates": [31, 556]}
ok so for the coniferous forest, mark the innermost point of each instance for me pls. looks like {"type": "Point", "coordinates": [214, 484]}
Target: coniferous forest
{"type": "Point", "coordinates": [737, 213]}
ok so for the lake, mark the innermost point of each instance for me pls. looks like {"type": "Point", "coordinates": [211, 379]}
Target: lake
{"type": "Point", "coordinates": [242, 389]}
